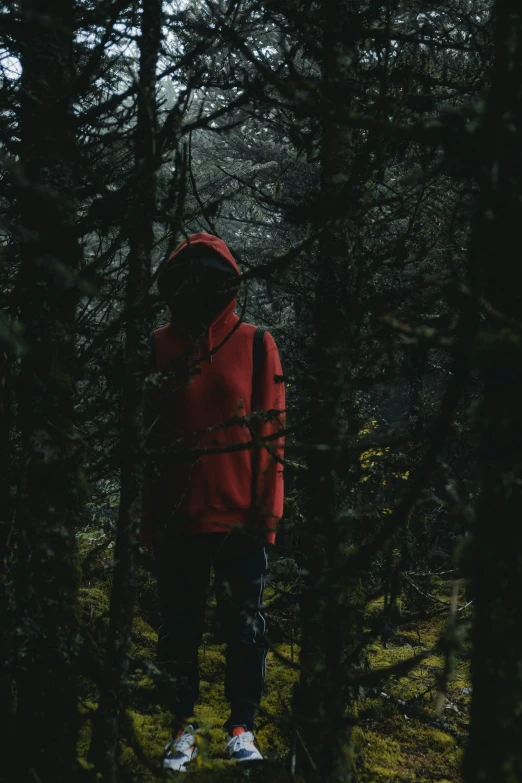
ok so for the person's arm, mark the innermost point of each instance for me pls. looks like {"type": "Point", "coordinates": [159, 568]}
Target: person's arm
{"type": "Point", "coordinates": [268, 485]}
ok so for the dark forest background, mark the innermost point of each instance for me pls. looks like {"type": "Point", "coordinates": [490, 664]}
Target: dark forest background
{"type": "Point", "coordinates": [362, 160]}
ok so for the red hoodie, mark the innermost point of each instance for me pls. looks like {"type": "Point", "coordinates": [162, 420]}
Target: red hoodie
{"type": "Point", "coordinates": [213, 492]}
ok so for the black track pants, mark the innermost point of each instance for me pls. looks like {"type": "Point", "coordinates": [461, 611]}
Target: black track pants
{"type": "Point", "coordinates": [183, 571]}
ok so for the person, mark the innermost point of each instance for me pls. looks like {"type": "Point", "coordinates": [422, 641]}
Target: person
{"type": "Point", "coordinates": [210, 497]}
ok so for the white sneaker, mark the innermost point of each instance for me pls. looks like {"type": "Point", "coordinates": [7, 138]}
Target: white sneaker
{"type": "Point", "coordinates": [180, 750]}
{"type": "Point", "coordinates": [241, 747]}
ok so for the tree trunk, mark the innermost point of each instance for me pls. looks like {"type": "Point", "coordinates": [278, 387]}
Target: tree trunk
{"type": "Point", "coordinates": [108, 721]}
{"type": "Point", "coordinates": [330, 616]}
{"type": "Point", "coordinates": [51, 482]}
{"type": "Point", "coordinates": [7, 705]}
{"type": "Point", "coordinates": [494, 751]}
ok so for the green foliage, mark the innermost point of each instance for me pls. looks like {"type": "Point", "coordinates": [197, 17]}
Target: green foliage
{"type": "Point", "coordinates": [499, 350]}
{"type": "Point", "coordinates": [11, 332]}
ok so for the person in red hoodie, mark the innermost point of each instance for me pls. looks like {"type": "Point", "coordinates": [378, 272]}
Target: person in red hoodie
{"type": "Point", "coordinates": [213, 493]}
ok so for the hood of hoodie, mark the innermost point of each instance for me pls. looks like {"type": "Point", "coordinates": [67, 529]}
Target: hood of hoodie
{"type": "Point", "coordinates": [226, 317]}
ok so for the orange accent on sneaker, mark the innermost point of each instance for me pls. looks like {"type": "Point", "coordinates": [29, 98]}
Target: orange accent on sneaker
{"type": "Point", "coordinates": [237, 730]}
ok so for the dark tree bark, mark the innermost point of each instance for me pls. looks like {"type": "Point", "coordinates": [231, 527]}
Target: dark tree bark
{"type": "Point", "coordinates": [51, 483]}
{"type": "Point", "coordinates": [108, 721]}
{"type": "Point", "coordinates": [7, 706]}
{"type": "Point", "coordinates": [330, 616]}
{"type": "Point", "coordinates": [494, 751]}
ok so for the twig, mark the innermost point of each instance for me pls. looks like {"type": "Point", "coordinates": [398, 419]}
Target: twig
{"type": "Point", "coordinates": [426, 595]}
{"type": "Point", "coordinates": [310, 759]}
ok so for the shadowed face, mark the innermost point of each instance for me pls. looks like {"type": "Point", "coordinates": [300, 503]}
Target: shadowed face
{"type": "Point", "coordinates": [197, 289]}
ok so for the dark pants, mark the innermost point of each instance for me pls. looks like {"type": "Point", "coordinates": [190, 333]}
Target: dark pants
{"type": "Point", "coordinates": [183, 572]}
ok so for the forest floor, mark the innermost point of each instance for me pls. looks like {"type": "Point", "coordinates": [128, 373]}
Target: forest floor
{"type": "Point", "coordinates": [399, 737]}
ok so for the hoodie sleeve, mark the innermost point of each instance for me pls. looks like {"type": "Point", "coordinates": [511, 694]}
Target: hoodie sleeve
{"type": "Point", "coordinates": [268, 486]}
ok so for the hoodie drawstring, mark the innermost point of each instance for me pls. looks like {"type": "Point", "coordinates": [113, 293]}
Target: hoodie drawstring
{"type": "Point", "coordinates": [201, 346]}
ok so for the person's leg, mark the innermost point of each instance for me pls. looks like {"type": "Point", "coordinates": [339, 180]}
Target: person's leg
{"type": "Point", "coordinates": [183, 574]}
{"type": "Point", "coordinates": [240, 566]}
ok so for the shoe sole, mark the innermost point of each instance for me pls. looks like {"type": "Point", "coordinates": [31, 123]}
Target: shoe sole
{"type": "Point", "coordinates": [167, 768]}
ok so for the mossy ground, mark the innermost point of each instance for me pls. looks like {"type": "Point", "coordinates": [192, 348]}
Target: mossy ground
{"type": "Point", "coordinates": [402, 735]}
{"type": "Point", "coordinates": [399, 735]}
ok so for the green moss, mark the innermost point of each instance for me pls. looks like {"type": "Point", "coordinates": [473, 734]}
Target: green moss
{"type": "Point", "coordinates": [94, 600]}
{"type": "Point", "coordinates": [382, 756]}
{"type": "Point", "coordinates": [212, 665]}
{"type": "Point", "coordinates": [148, 734]}
{"type": "Point", "coordinates": [272, 730]}
{"type": "Point", "coordinates": [144, 638]}
{"type": "Point", "coordinates": [437, 740]}
{"type": "Point", "coordinates": [84, 736]}
{"type": "Point", "coordinates": [413, 745]}
{"type": "Point", "coordinates": [405, 749]}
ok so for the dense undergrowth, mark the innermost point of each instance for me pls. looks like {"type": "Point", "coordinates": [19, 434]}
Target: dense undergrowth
{"type": "Point", "coordinates": [400, 734]}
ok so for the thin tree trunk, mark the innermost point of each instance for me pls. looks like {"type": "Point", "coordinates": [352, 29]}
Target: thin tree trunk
{"type": "Point", "coordinates": [50, 491]}
{"type": "Point", "coordinates": [7, 705]}
{"type": "Point", "coordinates": [330, 618]}
{"type": "Point", "coordinates": [107, 725]}
{"type": "Point", "coordinates": [494, 750]}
